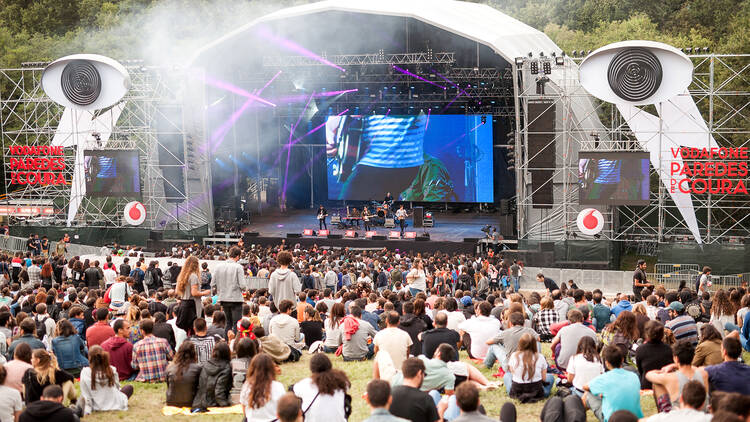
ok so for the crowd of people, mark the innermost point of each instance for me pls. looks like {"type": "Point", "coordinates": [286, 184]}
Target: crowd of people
{"type": "Point", "coordinates": [66, 322]}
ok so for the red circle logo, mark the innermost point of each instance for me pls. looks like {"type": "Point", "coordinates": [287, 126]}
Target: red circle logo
{"type": "Point", "coordinates": [135, 213]}
{"type": "Point", "coordinates": [590, 221]}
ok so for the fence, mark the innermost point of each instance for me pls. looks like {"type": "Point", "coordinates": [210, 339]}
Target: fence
{"type": "Point", "coordinates": [611, 282]}
{"type": "Point", "coordinates": [18, 244]}
{"type": "Point", "coordinates": [255, 283]}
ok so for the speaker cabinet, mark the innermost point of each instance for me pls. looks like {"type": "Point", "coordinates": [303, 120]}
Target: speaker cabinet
{"type": "Point", "coordinates": [418, 217]}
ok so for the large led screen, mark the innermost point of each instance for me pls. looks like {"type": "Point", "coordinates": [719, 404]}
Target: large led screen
{"type": "Point", "coordinates": [613, 178]}
{"type": "Point", "coordinates": [430, 158]}
{"type": "Point", "coordinates": [112, 173]}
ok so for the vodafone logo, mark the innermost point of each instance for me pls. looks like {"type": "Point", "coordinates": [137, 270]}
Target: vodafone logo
{"type": "Point", "coordinates": [135, 213]}
{"type": "Point", "coordinates": [590, 221]}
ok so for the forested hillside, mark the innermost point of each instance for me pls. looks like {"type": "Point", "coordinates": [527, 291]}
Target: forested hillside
{"type": "Point", "coordinates": [37, 30]}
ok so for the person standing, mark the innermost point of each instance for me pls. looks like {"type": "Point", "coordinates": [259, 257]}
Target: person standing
{"type": "Point", "coordinates": [322, 214]}
{"type": "Point", "coordinates": [283, 283]}
{"type": "Point", "coordinates": [401, 217]}
{"type": "Point", "coordinates": [639, 280]}
{"type": "Point", "coordinates": [188, 284]}
{"type": "Point", "coordinates": [227, 278]}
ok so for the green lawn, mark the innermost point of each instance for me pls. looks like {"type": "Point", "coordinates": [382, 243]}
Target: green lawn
{"type": "Point", "coordinates": [146, 403]}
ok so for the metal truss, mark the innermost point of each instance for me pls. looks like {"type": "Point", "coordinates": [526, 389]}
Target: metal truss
{"type": "Point", "coordinates": [29, 117]}
{"type": "Point", "coordinates": [720, 89]}
{"type": "Point", "coordinates": [425, 57]}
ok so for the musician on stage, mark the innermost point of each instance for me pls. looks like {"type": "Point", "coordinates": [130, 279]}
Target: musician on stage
{"type": "Point", "coordinates": [366, 218]}
{"type": "Point", "coordinates": [322, 214]}
{"type": "Point", "coordinates": [388, 199]}
{"type": "Point", "coordinates": [401, 217]}
{"type": "Point", "coordinates": [354, 215]}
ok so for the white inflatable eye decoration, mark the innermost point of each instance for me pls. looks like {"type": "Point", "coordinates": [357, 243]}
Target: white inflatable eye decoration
{"type": "Point", "coordinates": [85, 81]}
{"type": "Point", "coordinates": [636, 72]}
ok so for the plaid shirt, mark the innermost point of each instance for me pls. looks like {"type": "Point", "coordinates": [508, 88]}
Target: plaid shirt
{"type": "Point", "coordinates": [152, 355]}
{"type": "Point", "coordinates": [35, 274]}
{"type": "Point", "coordinates": [543, 321]}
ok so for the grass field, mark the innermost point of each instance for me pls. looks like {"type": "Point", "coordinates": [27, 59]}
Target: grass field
{"type": "Point", "coordinates": [146, 403]}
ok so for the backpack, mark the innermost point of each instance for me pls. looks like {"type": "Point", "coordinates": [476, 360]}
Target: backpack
{"type": "Point", "coordinates": [166, 278]}
{"type": "Point", "coordinates": [148, 278]}
{"type": "Point", "coordinates": [41, 327]}
{"type": "Point", "coordinates": [694, 311]}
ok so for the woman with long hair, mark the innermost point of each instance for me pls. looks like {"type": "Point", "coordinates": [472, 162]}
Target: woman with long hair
{"type": "Point", "coordinates": [100, 385]}
{"type": "Point", "coordinates": [584, 366]}
{"type": "Point", "coordinates": [623, 332]}
{"type": "Point", "coordinates": [312, 326]}
{"type": "Point", "coordinates": [333, 328]}
{"type": "Point", "coordinates": [188, 284]}
{"type": "Point", "coordinates": [133, 317]}
{"type": "Point", "coordinates": [46, 276]}
{"type": "Point", "coordinates": [324, 393]}
{"type": "Point", "coordinates": [77, 273]}
{"type": "Point", "coordinates": [722, 312]}
{"type": "Point", "coordinates": [641, 318]}
{"type": "Point", "coordinates": [245, 349]}
{"type": "Point", "coordinates": [45, 372]}
{"type": "Point", "coordinates": [708, 351]}
{"type": "Point", "coordinates": [421, 313]}
{"type": "Point", "coordinates": [260, 391]}
{"type": "Point", "coordinates": [68, 348]}
{"type": "Point", "coordinates": [545, 318]}
{"type": "Point", "coordinates": [527, 372]}
{"type": "Point", "coordinates": [653, 353]}
{"type": "Point", "coordinates": [743, 309]}
{"type": "Point", "coordinates": [182, 376]}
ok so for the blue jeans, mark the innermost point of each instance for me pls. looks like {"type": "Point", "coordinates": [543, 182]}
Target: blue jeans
{"type": "Point", "coordinates": [508, 381]}
{"type": "Point", "coordinates": [453, 411]}
{"type": "Point", "coordinates": [413, 291]}
{"type": "Point", "coordinates": [516, 283]}
{"type": "Point", "coordinates": [496, 352]}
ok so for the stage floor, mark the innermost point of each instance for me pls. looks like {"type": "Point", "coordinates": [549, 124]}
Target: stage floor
{"type": "Point", "coordinates": [448, 227]}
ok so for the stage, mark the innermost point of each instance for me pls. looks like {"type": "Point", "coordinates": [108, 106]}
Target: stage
{"type": "Point", "coordinates": [449, 227]}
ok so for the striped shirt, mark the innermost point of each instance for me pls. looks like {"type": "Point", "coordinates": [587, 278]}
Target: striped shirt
{"type": "Point", "coordinates": [107, 168]}
{"type": "Point", "coordinates": [684, 328]}
{"type": "Point", "coordinates": [394, 141]}
{"type": "Point", "coordinates": [609, 171]}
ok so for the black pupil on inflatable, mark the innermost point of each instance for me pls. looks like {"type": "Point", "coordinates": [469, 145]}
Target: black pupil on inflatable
{"type": "Point", "coordinates": [634, 74]}
{"type": "Point", "coordinates": [81, 82]}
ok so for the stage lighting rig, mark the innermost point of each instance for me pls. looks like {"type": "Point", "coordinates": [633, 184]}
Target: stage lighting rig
{"type": "Point", "coordinates": [534, 67]}
{"type": "Point", "coordinates": [547, 67]}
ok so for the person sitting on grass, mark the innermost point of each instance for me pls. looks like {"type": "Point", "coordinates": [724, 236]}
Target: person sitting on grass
{"type": "Point", "coordinates": [289, 409]}
{"type": "Point", "coordinates": [183, 375]}
{"type": "Point", "coordinates": [467, 398]}
{"type": "Point", "coordinates": [692, 401]}
{"type": "Point", "coordinates": [616, 389]}
{"type": "Point", "coordinates": [287, 328]}
{"type": "Point", "coordinates": [11, 403]}
{"type": "Point", "coordinates": [526, 378]}
{"type": "Point", "coordinates": [668, 381]}
{"type": "Point", "coordinates": [378, 396]}
{"type": "Point", "coordinates": [732, 375]}
{"type": "Point", "coordinates": [356, 346]}
{"type": "Point", "coordinates": [45, 372]}
{"type": "Point", "coordinates": [409, 401]}
{"type": "Point", "coordinates": [215, 381]}
{"type": "Point", "coordinates": [151, 355]}
{"type": "Point", "coordinates": [245, 350]}
{"type": "Point", "coordinates": [323, 393]}
{"type": "Point", "coordinates": [261, 392]}
{"type": "Point", "coordinates": [50, 408]}
{"type": "Point", "coordinates": [584, 366]}
{"type": "Point", "coordinates": [100, 386]}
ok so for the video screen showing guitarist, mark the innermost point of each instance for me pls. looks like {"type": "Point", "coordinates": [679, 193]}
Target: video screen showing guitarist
{"type": "Point", "coordinates": [376, 154]}
{"type": "Point", "coordinates": [322, 214]}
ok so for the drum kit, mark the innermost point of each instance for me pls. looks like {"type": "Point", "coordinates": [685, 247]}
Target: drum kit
{"type": "Point", "coordinates": [382, 210]}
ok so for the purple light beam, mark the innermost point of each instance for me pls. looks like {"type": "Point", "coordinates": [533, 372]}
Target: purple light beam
{"type": "Point", "coordinates": [236, 90]}
{"type": "Point", "coordinates": [450, 82]}
{"type": "Point", "coordinates": [406, 72]}
{"type": "Point", "coordinates": [294, 47]}
{"type": "Point", "coordinates": [427, 124]}
{"type": "Point", "coordinates": [289, 150]}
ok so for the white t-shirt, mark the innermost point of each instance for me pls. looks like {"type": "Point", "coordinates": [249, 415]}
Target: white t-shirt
{"type": "Point", "coordinates": [584, 370]}
{"type": "Point", "coordinates": [418, 279]}
{"type": "Point", "coordinates": [268, 411]}
{"type": "Point", "coordinates": [325, 408]}
{"type": "Point", "coordinates": [110, 276]}
{"type": "Point", "coordinates": [396, 342]}
{"type": "Point", "coordinates": [10, 402]}
{"type": "Point", "coordinates": [515, 364]}
{"type": "Point", "coordinates": [480, 328]}
{"type": "Point", "coordinates": [682, 415]}
{"type": "Point", "coordinates": [454, 319]}
{"type": "Point", "coordinates": [333, 335]}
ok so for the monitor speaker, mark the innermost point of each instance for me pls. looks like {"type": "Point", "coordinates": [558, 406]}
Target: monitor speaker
{"type": "Point", "coordinates": [293, 235]}
{"type": "Point", "coordinates": [252, 234]}
{"type": "Point", "coordinates": [378, 237]}
{"type": "Point", "coordinates": [334, 236]}
{"type": "Point", "coordinates": [471, 239]}
{"type": "Point", "coordinates": [418, 217]}
{"type": "Point", "coordinates": [422, 238]}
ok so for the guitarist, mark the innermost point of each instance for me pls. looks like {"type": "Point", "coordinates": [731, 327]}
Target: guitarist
{"type": "Point", "coordinates": [401, 217]}
{"type": "Point", "coordinates": [322, 214]}
{"type": "Point", "coordinates": [366, 218]}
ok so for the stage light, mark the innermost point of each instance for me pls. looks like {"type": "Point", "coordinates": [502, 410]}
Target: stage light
{"type": "Point", "coordinates": [705, 50]}
{"type": "Point", "coordinates": [519, 61]}
{"type": "Point", "coordinates": [534, 67]}
{"type": "Point", "coordinates": [560, 61]}
{"type": "Point", "coordinates": [308, 232]}
{"type": "Point", "coordinates": [547, 66]}
{"type": "Point", "coordinates": [689, 50]}
{"type": "Point", "coordinates": [323, 233]}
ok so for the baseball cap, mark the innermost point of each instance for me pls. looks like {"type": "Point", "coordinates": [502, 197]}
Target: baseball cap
{"type": "Point", "coordinates": [676, 306]}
